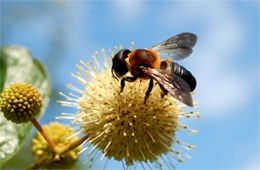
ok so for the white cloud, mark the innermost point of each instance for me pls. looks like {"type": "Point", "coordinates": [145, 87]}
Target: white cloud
{"type": "Point", "coordinates": [222, 87]}
{"type": "Point", "coordinates": [128, 11]}
{"type": "Point", "coordinates": [252, 164]}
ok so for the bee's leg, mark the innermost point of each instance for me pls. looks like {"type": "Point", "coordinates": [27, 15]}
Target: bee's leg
{"type": "Point", "coordinates": [164, 91]}
{"type": "Point", "coordinates": [150, 87]}
{"type": "Point", "coordinates": [129, 79]}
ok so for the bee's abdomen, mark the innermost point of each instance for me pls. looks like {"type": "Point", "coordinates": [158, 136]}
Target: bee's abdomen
{"type": "Point", "coordinates": [185, 74]}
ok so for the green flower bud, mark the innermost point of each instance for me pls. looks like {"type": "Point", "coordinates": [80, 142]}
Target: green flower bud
{"type": "Point", "coordinates": [20, 102]}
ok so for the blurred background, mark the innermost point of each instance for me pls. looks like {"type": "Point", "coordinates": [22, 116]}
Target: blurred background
{"type": "Point", "coordinates": [225, 61]}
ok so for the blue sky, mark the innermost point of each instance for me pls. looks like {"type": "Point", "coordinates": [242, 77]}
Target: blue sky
{"type": "Point", "coordinates": [225, 60]}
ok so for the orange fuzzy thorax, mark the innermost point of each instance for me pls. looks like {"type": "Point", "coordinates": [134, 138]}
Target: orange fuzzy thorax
{"type": "Point", "coordinates": [142, 57]}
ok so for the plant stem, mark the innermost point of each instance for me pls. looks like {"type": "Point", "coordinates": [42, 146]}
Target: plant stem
{"type": "Point", "coordinates": [46, 137]}
{"type": "Point", "coordinates": [72, 145]}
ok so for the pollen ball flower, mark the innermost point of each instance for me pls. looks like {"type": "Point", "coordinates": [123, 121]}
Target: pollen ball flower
{"type": "Point", "coordinates": [20, 102]}
{"type": "Point", "coordinates": [121, 126]}
{"type": "Point", "coordinates": [60, 135]}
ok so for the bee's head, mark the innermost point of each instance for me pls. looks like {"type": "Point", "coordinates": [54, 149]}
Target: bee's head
{"type": "Point", "coordinates": [119, 65]}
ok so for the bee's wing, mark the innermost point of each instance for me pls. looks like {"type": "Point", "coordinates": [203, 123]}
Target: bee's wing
{"type": "Point", "coordinates": [173, 84]}
{"type": "Point", "coordinates": [177, 47]}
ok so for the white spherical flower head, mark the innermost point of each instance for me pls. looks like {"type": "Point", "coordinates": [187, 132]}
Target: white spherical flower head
{"type": "Point", "coordinates": [120, 125]}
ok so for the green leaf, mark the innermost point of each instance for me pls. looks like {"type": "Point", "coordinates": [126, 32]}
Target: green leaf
{"type": "Point", "coordinates": [17, 66]}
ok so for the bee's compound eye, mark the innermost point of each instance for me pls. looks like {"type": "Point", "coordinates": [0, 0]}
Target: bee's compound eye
{"type": "Point", "coordinates": [124, 53]}
{"type": "Point", "coordinates": [119, 64]}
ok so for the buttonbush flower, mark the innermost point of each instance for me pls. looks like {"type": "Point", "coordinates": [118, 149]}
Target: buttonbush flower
{"type": "Point", "coordinates": [121, 126]}
{"type": "Point", "coordinates": [62, 136]}
{"type": "Point", "coordinates": [20, 102]}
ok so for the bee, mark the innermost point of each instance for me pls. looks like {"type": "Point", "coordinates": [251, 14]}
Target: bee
{"type": "Point", "coordinates": [146, 64]}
